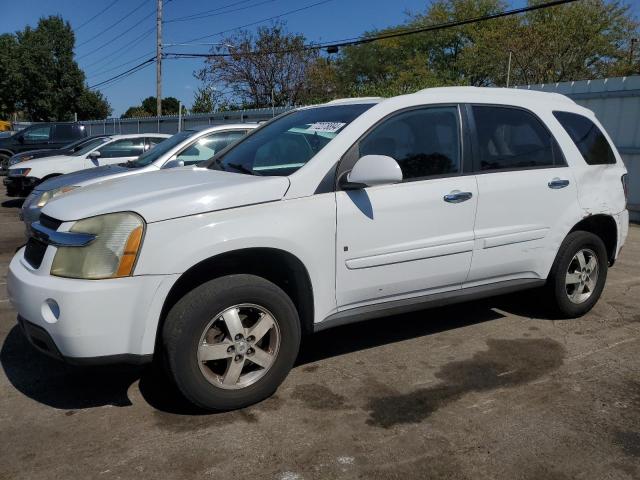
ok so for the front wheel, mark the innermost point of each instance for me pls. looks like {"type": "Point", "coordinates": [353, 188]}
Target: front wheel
{"type": "Point", "coordinates": [578, 275]}
{"type": "Point", "coordinates": [230, 342]}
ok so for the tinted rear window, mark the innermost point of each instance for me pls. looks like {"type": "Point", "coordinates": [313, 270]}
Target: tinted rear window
{"type": "Point", "coordinates": [589, 139]}
{"type": "Point", "coordinates": [513, 139]}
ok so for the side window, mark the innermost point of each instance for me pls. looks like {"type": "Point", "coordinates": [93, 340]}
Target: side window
{"type": "Point", "coordinates": [206, 147]}
{"type": "Point", "coordinates": [589, 139]}
{"type": "Point", "coordinates": [425, 142]}
{"type": "Point", "coordinates": [65, 132]}
{"type": "Point", "coordinates": [510, 138]}
{"type": "Point", "coordinates": [127, 147]}
{"type": "Point", "coordinates": [153, 141]}
{"type": "Point", "coordinates": [38, 134]}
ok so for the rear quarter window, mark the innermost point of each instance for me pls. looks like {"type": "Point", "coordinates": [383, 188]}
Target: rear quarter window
{"type": "Point", "coordinates": [589, 139]}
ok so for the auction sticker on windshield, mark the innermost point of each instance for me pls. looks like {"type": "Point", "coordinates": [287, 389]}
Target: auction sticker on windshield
{"type": "Point", "coordinates": [329, 127]}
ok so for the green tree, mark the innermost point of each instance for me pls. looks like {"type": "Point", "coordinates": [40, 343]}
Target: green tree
{"type": "Point", "coordinates": [91, 105]}
{"type": "Point", "coordinates": [40, 78]}
{"type": "Point", "coordinates": [50, 81]}
{"type": "Point", "coordinates": [137, 111]}
{"type": "Point", "coordinates": [9, 67]}
{"type": "Point", "coordinates": [587, 39]}
{"type": "Point", "coordinates": [205, 99]}
{"type": "Point", "coordinates": [169, 105]}
{"type": "Point", "coordinates": [269, 66]}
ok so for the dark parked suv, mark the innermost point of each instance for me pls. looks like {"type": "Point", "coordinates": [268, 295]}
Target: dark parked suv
{"type": "Point", "coordinates": [39, 136]}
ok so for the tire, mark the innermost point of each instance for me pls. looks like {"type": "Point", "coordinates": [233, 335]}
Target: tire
{"type": "Point", "coordinates": [196, 329]}
{"type": "Point", "coordinates": [4, 161]}
{"type": "Point", "coordinates": [567, 300]}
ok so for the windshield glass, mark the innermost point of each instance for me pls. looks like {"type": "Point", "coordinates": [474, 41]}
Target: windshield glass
{"type": "Point", "coordinates": [76, 144]}
{"type": "Point", "coordinates": [153, 154]}
{"type": "Point", "coordinates": [287, 143]}
{"type": "Point", "coordinates": [90, 146]}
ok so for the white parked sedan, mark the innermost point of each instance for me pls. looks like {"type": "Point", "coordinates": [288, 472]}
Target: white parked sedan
{"type": "Point", "coordinates": [185, 148]}
{"type": "Point", "coordinates": [24, 176]}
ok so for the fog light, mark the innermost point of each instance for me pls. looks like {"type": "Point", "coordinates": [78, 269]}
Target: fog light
{"type": "Point", "coordinates": [50, 310]}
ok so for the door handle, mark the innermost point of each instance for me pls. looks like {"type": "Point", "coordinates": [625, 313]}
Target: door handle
{"type": "Point", "coordinates": [558, 183]}
{"type": "Point", "coordinates": [457, 196]}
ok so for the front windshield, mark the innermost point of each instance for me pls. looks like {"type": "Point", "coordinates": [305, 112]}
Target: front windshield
{"type": "Point", "coordinates": [76, 143]}
{"type": "Point", "coordinates": [287, 143]}
{"type": "Point", "coordinates": [153, 154]}
{"type": "Point", "coordinates": [91, 145]}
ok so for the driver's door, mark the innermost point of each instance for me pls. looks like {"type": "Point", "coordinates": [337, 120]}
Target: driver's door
{"type": "Point", "coordinates": [412, 238]}
{"type": "Point", "coordinates": [118, 151]}
{"type": "Point", "coordinates": [205, 147]}
{"type": "Point", "coordinates": [35, 137]}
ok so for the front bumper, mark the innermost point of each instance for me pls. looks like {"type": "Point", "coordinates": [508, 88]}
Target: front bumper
{"type": "Point", "coordinates": [19, 186]}
{"type": "Point", "coordinates": [87, 321]}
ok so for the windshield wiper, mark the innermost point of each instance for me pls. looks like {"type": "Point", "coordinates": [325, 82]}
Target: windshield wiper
{"type": "Point", "coordinates": [243, 169]}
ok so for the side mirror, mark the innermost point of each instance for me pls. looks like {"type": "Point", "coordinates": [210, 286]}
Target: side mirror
{"type": "Point", "coordinates": [173, 163]}
{"type": "Point", "coordinates": [94, 155]}
{"type": "Point", "coordinates": [372, 170]}
{"type": "Point", "coordinates": [20, 138]}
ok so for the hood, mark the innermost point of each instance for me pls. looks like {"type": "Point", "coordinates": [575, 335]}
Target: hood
{"type": "Point", "coordinates": [82, 177]}
{"type": "Point", "coordinates": [165, 194]}
{"type": "Point", "coordinates": [37, 153]}
{"type": "Point", "coordinates": [41, 161]}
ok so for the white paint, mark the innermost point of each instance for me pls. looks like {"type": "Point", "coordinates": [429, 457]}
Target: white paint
{"type": "Point", "coordinates": [402, 239]}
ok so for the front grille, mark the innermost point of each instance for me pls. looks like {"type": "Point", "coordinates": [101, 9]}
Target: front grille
{"type": "Point", "coordinates": [36, 248]}
{"type": "Point", "coordinates": [34, 252]}
{"type": "Point", "coordinates": [49, 222]}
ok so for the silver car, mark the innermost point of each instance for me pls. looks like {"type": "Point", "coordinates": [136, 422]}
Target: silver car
{"type": "Point", "coordinates": [188, 147]}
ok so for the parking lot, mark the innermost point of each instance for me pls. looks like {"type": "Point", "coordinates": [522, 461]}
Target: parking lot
{"type": "Point", "coordinates": [489, 389]}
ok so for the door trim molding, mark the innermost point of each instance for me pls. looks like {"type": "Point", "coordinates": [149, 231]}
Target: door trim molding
{"type": "Point", "coordinates": [396, 307]}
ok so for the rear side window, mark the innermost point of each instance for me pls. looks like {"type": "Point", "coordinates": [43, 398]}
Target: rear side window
{"type": "Point", "coordinates": [425, 142]}
{"type": "Point", "coordinates": [66, 132]}
{"type": "Point", "coordinates": [589, 139]}
{"type": "Point", "coordinates": [513, 139]}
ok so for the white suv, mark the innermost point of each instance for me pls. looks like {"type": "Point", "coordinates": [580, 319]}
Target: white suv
{"type": "Point", "coordinates": [326, 215]}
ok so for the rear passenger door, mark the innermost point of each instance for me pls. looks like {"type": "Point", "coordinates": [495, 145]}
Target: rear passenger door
{"type": "Point", "coordinates": [416, 237]}
{"type": "Point", "coordinates": [526, 193]}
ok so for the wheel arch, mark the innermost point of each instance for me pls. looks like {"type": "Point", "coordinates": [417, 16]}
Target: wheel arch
{"type": "Point", "coordinates": [603, 226]}
{"type": "Point", "coordinates": [278, 266]}
{"type": "Point", "coordinates": [4, 151]}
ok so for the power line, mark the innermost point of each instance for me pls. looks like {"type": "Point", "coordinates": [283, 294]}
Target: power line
{"type": "Point", "coordinates": [199, 14]}
{"type": "Point", "coordinates": [113, 24]}
{"type": "Point", "coordinates": [140, 37]}
{"type": "Point", "coordinates": [192, 17]}
{"type": "Point", "coordinates": [399, 33]}
{"type": "Point", "coordinates": [102, 72]}
{"type": "Point", "coordinates": [108, 42]}
{"type": "Point", "coordinates": [290, 12]}
{"type": "Point", "coordinates": [97, 15]}
{"type": "Point", "coordinates": [126, 73]}
{"type": "Point", "coordinates": [143, 35]}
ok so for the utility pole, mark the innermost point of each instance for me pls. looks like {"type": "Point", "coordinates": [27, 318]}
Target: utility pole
{"type": "Point", "coordinates": [509, 69]}
{"type": "Point", "coordinates": [159, 60]}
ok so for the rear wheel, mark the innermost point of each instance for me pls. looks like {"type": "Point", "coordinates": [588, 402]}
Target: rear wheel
{"type": "Point", "coordinates": [230, 342]}
{"type": "Point", "coordinates": [578, 274]}
{"type": "Point", "coordinates": [4, 161]}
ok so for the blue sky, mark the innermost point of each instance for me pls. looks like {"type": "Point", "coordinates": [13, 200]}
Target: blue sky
{"type": "Point", "coordinates": [103, 56]}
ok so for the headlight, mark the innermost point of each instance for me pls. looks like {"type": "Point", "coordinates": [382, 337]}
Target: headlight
{"type": "Point", "coordinates": [112, 254]}
{"type": "Point", "coordinates": [51, 194]}
{"type": "Point", "coordinates": [14, 160]}
{"type": "Point", "coordinates": [19, 172]}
